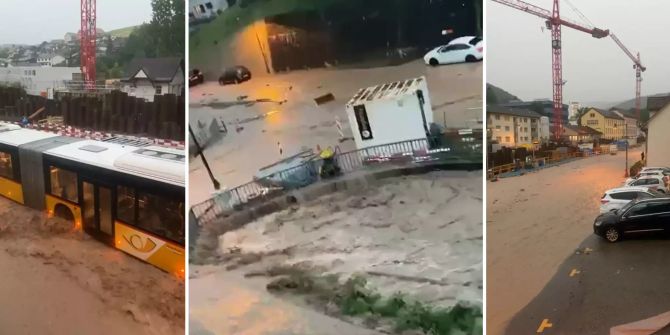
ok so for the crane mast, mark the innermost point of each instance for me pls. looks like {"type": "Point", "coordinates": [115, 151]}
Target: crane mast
{"type": "Point", "coordinates": [87, 39]}
{"type": "Point", "coordinates": [639, 68]}
{"type": "Point", "coordinates": [554, 22]}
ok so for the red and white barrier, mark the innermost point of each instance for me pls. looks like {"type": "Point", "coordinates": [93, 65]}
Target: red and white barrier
{"type": "Point", "coordinates": [70, 131]}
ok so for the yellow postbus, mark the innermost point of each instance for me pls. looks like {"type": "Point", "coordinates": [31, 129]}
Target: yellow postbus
{"type": "Point", "coordinates": [126, 193]}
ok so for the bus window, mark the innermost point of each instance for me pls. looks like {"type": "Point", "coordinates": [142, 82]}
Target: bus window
{"type": "Point", "coordinates": [64, 184]}
{"type": "Point", "coordinates": [161, 216]}
{"type": "Point", "coordinates": [6, 168]}
{"type": "Point", "coordinates": [125, 205]}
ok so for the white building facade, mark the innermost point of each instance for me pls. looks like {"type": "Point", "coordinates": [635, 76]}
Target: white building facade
{"type": "Point", "coordinates": [203, 9]}
{"type": "Point", "coordinates": [658, 149]}
{"type": "Point", "coordinates": [37, 80]}
{"type": "Point", "coordinates": [512, 127]}
{"type": "Point", "coordinates": [50, 60]}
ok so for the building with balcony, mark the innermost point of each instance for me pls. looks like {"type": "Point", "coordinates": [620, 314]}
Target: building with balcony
{"type": "Point", "coordinates": [515, 127]}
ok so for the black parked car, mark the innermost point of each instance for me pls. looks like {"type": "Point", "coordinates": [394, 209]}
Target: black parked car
{"type": "Point", "coordinates": [642, 216]}
{"type": "Point", "coordinates": [235, 75]}
{"type": "Point", "coordinates": [196, 78]}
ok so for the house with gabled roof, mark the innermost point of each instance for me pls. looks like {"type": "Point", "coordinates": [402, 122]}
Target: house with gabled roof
{"type": "Point", "coordinates": [147, 77]}
{"type": "Point", "coordinates": [610, 124]}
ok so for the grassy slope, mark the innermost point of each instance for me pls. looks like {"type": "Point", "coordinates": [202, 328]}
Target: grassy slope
{"type": "Point", "coordinates": [502, 95]}
{"type": "Point", "coordinates": [122, 32]}
{"type": "Point", "coordinates": [235, 18]}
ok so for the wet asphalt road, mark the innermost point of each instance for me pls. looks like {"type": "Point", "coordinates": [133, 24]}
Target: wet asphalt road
{"type": "Point", "coordinates": [601, 285]}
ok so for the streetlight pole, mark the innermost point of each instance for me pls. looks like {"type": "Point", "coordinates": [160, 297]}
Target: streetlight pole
{"type": "Point", "coordinates": [626, 135]}
{"type": "Point", "coordinates": [217, 185]}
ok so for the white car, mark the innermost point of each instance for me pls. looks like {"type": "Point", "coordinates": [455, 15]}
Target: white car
{"type": "Point", "coordinates": [655, 183]}
{"type": "Point", "coordinates": [459, 50]}
{"type": "Point", "coordinates": [648, 173]}
{"type": "Point", "coordinates": [654, 168]}
{"type": "Point", "coordinates": [619, 197]}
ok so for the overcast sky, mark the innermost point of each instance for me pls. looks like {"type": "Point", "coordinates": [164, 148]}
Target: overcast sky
{"type": "Point", "coordinates": [519, 51]}
{"type": "Point", "coordinates": [35, 21]}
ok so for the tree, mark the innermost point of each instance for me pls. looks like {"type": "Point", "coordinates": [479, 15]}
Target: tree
{"type": "Point", "coordinates": [581, 112]}
{"type": "Point", "coordinates": [491, 97]}
{"type": "Point", "coordinates": [168, 26]}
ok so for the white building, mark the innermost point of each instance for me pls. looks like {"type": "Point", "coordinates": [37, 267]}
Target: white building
{"type": "Point", "coordinates": [632, 130]}
{"type": "Point", "coordinates": [545, 129]}
{"type": "Point", "coordinates": [658, 149]}
{"type": "Point", "coordinates": [147, 77]}
{"type": "Point", "coordinates": [50, 59]}
{"type": "Point", "coordinates": [203, 9]}
{"type": "Point", "coordinates": [515, 127]}
{"type": "Point", "coordinates": [573, 113]}
{"type": "Point", "coordinates": [39, 80]}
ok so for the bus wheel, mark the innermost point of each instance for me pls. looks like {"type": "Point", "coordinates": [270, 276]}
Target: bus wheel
{"type": "Point", "coordinates": [64, 213]}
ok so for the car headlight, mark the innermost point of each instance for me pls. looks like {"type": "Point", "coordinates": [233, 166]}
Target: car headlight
{"type": "Point", "coordinates": [598, 223]}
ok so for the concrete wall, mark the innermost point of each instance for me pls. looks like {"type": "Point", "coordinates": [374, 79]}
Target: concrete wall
{"type": "Point", "coordinates": [659, 138]}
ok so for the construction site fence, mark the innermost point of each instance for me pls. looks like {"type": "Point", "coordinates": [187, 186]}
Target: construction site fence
{"type": "Point", "coordinates": [306, 174]}
{"type": "Point", "coordinates": [540, 161]}
{"type": "Point", "coordinates": [114, 112]}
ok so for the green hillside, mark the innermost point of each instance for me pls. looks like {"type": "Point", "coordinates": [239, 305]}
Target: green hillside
{"type": "Point", "coordinates": [122, 32]}
{"type": "Point", "coordinates": [496, 95]}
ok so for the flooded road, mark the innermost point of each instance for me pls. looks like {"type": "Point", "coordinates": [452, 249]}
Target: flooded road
{"type": "Point", "coordinates": [297, 123]}
{"type": "Point", "coordinates": [224, 302]}
{"type": "Point", "coordinates": [418, 235]}
{"type": "Point", "coordinates": [57, 280]}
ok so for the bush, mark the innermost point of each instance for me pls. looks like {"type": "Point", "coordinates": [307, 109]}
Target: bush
{"type": "Point", "coordinates": [635, 169]}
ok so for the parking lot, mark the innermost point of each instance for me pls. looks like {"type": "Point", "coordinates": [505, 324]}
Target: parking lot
{"type": "Point", "coordinates": [539, 229]}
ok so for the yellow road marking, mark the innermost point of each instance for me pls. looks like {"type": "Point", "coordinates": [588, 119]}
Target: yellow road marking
{"type": "Point", "coordinates": [588, 250]}
{"type": "Point", "coordinates": [574, 272]}
{"type": "Point", "coordinates": [545, 324]}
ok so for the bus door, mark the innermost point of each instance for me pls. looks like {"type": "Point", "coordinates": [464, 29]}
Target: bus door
{"type": "Point", "coordinates": [96, 208]}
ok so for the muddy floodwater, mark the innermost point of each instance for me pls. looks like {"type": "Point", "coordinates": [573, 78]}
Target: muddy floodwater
{"type": "Point", "coordinates": [418, 235]}
{"type": "Point", "coordinates": [58, 280]}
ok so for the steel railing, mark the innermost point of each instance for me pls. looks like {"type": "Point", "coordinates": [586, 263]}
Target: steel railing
{"type": "Point", "coordinates": [405, 152]}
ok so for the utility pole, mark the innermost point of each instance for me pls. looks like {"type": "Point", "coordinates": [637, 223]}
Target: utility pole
{"type": "Point", "coordinates": [626, 174]}
{"type": "Point", "coordinates": [199, 151]}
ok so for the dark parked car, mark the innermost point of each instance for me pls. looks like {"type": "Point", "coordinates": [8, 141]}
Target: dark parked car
{"type": "Point", "coordinates": [235, 75]}
{"type": "Point", "coordinates": [196, 78]}
{"type": "Point", "coordinates": [643, 216]}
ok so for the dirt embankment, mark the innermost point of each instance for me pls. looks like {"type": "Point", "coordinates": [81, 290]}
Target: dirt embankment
{"type": "Point", "coordinates": [77, 284]}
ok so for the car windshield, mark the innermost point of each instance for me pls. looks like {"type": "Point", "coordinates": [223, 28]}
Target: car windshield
{"type": "Point", "coordinates": [626, 207]}
{"type": "Point", "coordinates": [475, 40]}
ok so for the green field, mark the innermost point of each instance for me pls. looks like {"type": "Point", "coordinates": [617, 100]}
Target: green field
{"type": "Point", "coordinates": [122, 32]}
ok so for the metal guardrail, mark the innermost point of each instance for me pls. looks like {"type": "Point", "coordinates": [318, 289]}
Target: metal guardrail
{"type": "Point", "coordinates": [406, 152]}
{"type": "Point", "coordinates": [500, 169]}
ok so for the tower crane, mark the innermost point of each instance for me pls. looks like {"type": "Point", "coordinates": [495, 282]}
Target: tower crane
{"type": "Point", "coordinates": [554, 21]}
{"type": "Point", "coordinates": [639, 68]}
{"type": "Point", "coordinates": [87, 39]}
